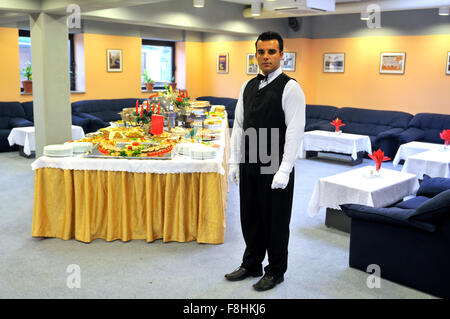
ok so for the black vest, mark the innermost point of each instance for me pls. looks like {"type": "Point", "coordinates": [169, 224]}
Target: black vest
{"type": "Point", "coordinates": [263, 110]}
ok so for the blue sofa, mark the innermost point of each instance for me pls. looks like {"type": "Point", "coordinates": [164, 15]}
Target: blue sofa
{"type": "Point", "coordinates": [318, 117]}
{"type": "Point", "coordinates": [12, 115]}
{"type": "Point", "coordinates": [425, 127]}
{"type": "Point", "coordinates": [409, 241]}
{"type": "Point", "coordinates": [101, 112]}
{"type": "Point", "coordinates": [76, 120]}
{"type": "Point", "coordinates": [381, 126]}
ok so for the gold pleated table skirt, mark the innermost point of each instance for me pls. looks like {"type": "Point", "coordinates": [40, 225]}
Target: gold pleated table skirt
{"type": "Point", "coordinates": [89, 204]}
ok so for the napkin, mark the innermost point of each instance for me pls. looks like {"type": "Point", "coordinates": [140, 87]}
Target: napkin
{"type": "Point", "coordinates": [337, 123]}
{"type": "Point", "coordinates": [445, 135]}
{"type": "Point", "coordinates": [378, 157]}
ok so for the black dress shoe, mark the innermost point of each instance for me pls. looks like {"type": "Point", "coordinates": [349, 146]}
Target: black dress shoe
{"type": "Point", "coordinates": [268, 282]}
{"type": "Point", "coordinates": [240, 274]}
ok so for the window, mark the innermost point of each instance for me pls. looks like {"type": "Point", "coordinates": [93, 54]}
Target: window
{"type": "Point", "coordinates": [158, 58]}
{"type": "Point", "coordinates": [25, 56]}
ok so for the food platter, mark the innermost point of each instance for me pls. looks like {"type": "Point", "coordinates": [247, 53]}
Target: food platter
{"type": "Point", "coordinates": [95, 153]}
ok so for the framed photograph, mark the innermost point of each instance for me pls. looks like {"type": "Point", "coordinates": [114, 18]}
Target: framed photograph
{"type": "Point", "coordinates": [114, 60]}
{"type": "Point", "coordinates": [288, 61]}
{"type": "Point", "coordinates": [333, 62]}
{"type": "Point", "coordinates": [252, 64]}
{"type": "Point", "coordinates": [392, 63]}
{"type": "Point", "coordinates": [222, 63]}
{"type": "Point", "coordinates": [447, 69]}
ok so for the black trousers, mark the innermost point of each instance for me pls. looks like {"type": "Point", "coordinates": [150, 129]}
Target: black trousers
{"type": "Point", "coordinates": [265, 218]}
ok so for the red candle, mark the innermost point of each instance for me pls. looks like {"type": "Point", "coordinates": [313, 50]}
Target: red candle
{"type": "Point", "coordinates": [142, 111]}
{"type": "Point", "coordinates": [153, 108]}
{"type": "Point", "coordinates": [157, 124]}
{"type": "Point", "coordinates": [137, 106]}
{"type": "Point", "coordinates": [158, 108]}
{"type": "Point", "coordinates": [148, 106]}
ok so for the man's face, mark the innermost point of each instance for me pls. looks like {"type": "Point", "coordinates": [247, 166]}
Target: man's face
{"type": "Point", "coordinates": [268, 55]}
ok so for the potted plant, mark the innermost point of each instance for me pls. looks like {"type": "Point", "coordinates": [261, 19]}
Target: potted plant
{"type": "Point", "coordinates": [27, 84]}
{"type": "Point", "coordinates": [149, 83]}
{"type": "Point", "coordinates": [173, 84]}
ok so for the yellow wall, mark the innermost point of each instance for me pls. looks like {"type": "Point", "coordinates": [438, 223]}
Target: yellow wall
{"type": "Point", "coordinates": [423, 88]}
{"type": "Point", "coordinates": [9, 65]}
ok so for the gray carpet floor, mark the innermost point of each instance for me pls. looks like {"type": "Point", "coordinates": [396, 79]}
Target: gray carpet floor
{"type": "Point", "coordinates": [37, 268]}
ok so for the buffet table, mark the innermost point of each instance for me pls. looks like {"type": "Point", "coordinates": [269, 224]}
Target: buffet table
{"type": "Point", "coordinates": [181, 199]}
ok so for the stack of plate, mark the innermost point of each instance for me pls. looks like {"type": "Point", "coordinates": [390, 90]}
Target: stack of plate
{"type": "Point", "coordinates": [58, 150]}
{"type": "Point", "coordinates": [80, 147]}
{"type": "Point", "coordinates": [200, 151]}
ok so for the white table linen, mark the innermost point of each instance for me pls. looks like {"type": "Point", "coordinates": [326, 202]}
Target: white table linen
{"type": "Point", "coordinates": [413, 148]}
{"type": "Point", "coordinates": [333, 142]}
{"type": "Point", "coordinates": [178, 164]}
{"type": "Point", "coordinates": [434, 163]}
{"type": "Point", "coordinates": [25, 136]}
{"type": "Point", "coordinates": [358, 186]}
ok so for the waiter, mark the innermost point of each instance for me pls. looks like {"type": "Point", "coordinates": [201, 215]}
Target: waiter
{"type": "Point", "coordinates": [271, 107]}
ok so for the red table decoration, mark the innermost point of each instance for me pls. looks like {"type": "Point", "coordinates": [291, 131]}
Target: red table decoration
{"type": "Point", "coordinates": [157, 124]}
{"type": "Point", "coordinates": [378, 157]}
{"type": "Point", "coordinates": [445, 135]}
{"type": "Point", "coordinates": [337, 123]}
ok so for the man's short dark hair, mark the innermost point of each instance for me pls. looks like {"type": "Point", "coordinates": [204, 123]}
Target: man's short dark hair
{"type": "Point", "coordinates": [270, 35]}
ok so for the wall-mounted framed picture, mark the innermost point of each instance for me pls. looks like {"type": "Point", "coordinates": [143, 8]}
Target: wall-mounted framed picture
{"type": "Point", "coordinates": [392, 63]}
{"type": "Point", "coordinates": [288, 61]}
{"type": "Point", "coordinates": [447, 69]}
{"type": "Point", "coordinates": [252, 64]}
{"type": "Point", "coordinates": [333, 62]}
{"type": "Point", "coordinates": [114, 60]}
{"type": "Point", "coordinates": [222, 63]}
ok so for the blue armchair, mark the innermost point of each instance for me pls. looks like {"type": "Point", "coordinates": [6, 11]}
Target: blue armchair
{"type": "Point", "coordinates": [425, 127]}
{"type": "Point", "coordinates": [11, 115]}
{"type": "Point", "coordinates": [409, 241]}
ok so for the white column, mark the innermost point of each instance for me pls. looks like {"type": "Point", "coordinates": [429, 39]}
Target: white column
{"type": "Point", "coordinates": [51, 80]}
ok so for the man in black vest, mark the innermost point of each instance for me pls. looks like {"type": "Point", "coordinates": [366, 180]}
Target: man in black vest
{"type": "Point", "coordinates": [267, 131]}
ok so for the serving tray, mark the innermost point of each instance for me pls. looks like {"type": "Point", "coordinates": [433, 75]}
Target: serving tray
{"type": "Point", "coordinates": [95, 153]}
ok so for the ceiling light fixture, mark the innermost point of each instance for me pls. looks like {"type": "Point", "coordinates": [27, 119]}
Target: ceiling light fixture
{"type": "Point", "coordinates": [256, 8]}
{"type": "Point", "coordinates": [199, 3]}
{"type": "Point", "coordinates": [364, 15]}
{"type": "Point", "coordinates": [444, 11]}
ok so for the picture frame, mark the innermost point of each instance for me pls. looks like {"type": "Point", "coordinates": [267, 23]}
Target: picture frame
{"type": "Point", "coordinates": [392, 62]}
{"type": "Point", "coordinates": [288, 61]}
{"type": "Point", "coordinates": [114, 60]}
{"type": "Point", "coordinates": [222, 63]}
{"type": "Point", "coordinates": [447, 69]}
{"type": "Point", "coordinates": [334, 62]}
{"type": "Point", "coordinates": [252, 64]}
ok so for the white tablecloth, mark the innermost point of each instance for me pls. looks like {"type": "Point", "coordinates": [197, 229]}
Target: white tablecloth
{"type": "Point", "coordinates": [413, 148]}
{"type": "Point", "coordinates": [358, 186]}
{"type": "Point", "coordinates": [434, 163]}
{"type": "Point", "coordinates": [25, 136]}
{"type": "Point", "coordinates": [178, 164]}
{"type": "Point", "coordinates": [333, 142]}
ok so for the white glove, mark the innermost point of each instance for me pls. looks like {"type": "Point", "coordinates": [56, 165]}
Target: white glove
{"type": "Point", "coordinates": [234, 173]}
{"type": "Point", "coordinates": [280, 180]}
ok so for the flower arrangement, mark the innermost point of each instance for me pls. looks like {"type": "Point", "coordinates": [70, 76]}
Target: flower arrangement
{"type": "Point", "coordinates": [181, 100]}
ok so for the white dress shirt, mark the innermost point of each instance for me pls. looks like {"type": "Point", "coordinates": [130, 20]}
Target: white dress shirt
{"type": "Point", "coordinates": [293, 104]}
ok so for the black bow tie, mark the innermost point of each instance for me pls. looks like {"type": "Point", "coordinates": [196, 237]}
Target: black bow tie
{"type": "Point", "coordinates": [262, 77]}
